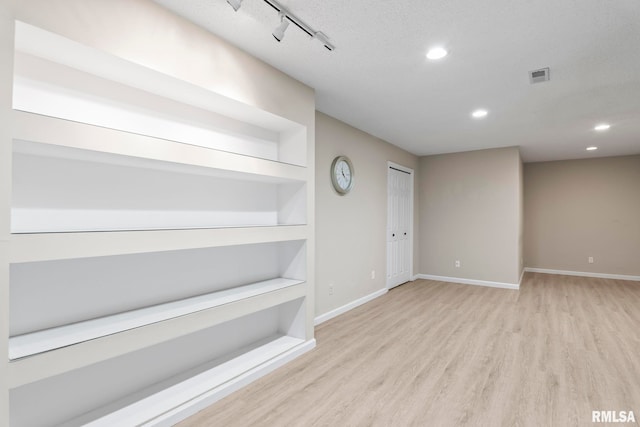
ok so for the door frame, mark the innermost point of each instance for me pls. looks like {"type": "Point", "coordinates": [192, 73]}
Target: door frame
{"type": "Point", "coordinates": [411, 173]}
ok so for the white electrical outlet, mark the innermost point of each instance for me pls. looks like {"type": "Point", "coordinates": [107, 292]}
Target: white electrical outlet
{"type": "Point", "coordinates": [373, 274]}
{"type": "Point", "coordinates": [457, 263]}
{"type": "Point", "coordinates": [330, 289]}
{"type": "Point", "coordinates": [590, 260]}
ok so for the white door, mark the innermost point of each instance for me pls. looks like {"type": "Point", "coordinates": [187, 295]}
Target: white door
{"type": "Point", "coordinates": [399, 190]}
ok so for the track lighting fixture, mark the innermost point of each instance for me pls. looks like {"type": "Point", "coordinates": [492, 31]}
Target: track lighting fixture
{"type": "Point", "coordinates": [235, 4]}
{"type": "Point", "coordinates": [285, 18]}
{"type": "Point", "coordinates": [278, 33]}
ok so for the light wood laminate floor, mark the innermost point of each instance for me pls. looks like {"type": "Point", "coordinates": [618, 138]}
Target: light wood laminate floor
{"type": "Point", "coordinates": [440, 354]}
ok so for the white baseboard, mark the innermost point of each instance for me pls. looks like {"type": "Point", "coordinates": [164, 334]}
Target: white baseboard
{"type": "Point", "coordinates": [471, 281]}
{"type": "Point", "coordinates": [521, 277]}
{"type": "Point", "coordinates": [353, 304]}
{"type": "Point", "coordinates": [191, 407]}
{"type": "Point", "coordinates": [583, 274]}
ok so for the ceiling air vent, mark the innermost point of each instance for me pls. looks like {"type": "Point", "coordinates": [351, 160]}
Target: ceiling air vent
{"type": "Point", "coordinates": [539, 76]}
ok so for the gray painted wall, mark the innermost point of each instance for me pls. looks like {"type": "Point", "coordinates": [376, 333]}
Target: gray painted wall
{"type": "Point", "coordinates": [351, 229]}
{"type": "Point", "coordinates": [470, 210]}
{"type": "Point", "coordinates": [575, 209]}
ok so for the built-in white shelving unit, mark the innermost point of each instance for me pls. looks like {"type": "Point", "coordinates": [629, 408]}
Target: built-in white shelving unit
{"type": "Point", "coordinates": [158, 240]}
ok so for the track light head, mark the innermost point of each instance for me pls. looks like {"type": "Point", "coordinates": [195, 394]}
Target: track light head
{"type": "Point", "coordinates": [235, 4]}
{"type": "Point", "coordinates": [278, 33]}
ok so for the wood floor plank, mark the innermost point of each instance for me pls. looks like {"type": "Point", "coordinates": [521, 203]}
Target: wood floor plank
{"type": "Point", "coordinates": [443, 354]}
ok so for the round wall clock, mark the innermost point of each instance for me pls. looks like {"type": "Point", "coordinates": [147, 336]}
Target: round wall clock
{"type": "Point", "coordinates": [342, 174]}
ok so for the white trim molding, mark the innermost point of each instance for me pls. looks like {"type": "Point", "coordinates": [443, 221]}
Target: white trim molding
{"type": "Point", "coordinates": [502, 285]}
{"type": "Point", "coordinates": [583, 274]}
{"type": "Point", "coordinates": [353, 304]}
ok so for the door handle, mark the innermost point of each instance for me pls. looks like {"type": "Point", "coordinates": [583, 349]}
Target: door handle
{"type": "Point", "coordinates": [393, 235]}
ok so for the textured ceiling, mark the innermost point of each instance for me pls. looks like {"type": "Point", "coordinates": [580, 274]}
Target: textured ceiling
{"type": "Point", "coordinates": [379, 80]}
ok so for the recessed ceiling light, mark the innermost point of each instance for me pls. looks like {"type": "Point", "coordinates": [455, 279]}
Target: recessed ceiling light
{"type": "Point", "coordinates": [437, 53]}
{"type": "Point", "coordinates": [478, 114]}
{"type": "Point", "coordinates": [602, 126]}
{"type": "Point", "coordinates": [592, 148]}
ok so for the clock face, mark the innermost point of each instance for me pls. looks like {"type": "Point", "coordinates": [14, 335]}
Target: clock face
{"type": "Point", "coordinates": [342, 174]}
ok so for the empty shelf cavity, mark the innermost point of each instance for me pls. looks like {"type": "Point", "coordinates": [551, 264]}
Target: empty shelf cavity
{"type": "Point", "coordinates": [50, 339]}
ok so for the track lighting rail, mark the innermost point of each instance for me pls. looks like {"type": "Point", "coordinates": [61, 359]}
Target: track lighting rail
{"type": "Point", "coordinates": [278, 33]}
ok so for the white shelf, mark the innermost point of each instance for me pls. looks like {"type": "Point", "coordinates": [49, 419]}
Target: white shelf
{"type": "Point", "coordinates": [39, 135]}
{"type": "Point", "coordinates": [56, 246]}
{"type": "Point", "coordinates": [60, 360]}
{"type": "Point", "coordinates": [71, 70]}
{"type": "Point", "coordinates": [47, 220]}
{"type": "Point", "coordinates": [53, 47]}
{"type": "Point", "coordinates": [177, 393]}
{"type": "Point", "coordinates": [54, 338]}
{"type": "Point", "coordinates": [73, 177]}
